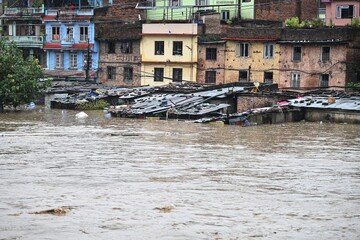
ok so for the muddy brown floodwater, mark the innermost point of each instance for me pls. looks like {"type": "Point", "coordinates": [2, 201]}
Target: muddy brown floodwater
{"type": "Point", "coordinates": [141, 179]}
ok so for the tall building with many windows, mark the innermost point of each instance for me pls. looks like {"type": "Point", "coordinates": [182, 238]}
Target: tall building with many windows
{"type": "Point", "coordinates": [168, 53]}
{"type": "Point", "coordinates": [71, 50]}
{"type": "Point", "coordinates": [23, 26]}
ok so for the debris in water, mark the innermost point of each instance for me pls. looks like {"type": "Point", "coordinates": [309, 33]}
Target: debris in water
{"type": "Point", "coordinates": [130, 134]}
{"type": "Point", "coordinates": [15, 214]}
{"type": "Point", "coordinates": [81, 115]}
{"type": "Point", "coordinates": [54, 211]}
{"type": "Point", "coordinates": [166, 208]}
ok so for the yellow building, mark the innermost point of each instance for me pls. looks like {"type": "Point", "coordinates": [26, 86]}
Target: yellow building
{"type": "Point", "coordinates": [168, 53]}
{"type": "Point", "coordinates": [252, 60]}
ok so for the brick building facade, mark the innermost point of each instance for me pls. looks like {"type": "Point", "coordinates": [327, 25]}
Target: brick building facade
{"type": "Point", "coordinates": [280, 10]}
{"type": "Point", "coordinates": [118, 32]}
{"type": "Point", "coordinates": [318, 58]}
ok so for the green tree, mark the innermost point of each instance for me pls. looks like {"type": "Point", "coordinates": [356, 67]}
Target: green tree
{"type": "Point", "coordinates": [19, 77]}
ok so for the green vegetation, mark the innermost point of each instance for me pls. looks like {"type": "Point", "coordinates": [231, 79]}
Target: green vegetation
{"type": "Point", "coordinates": [292, 22]}
{"type": "Point", "coordinates": [96, 105]}
{"type": "Point", "coordinates": [295, 23]}
{"type": "Point", "coordinates": [353, 86]}
{"type": "Point", "coordinates": [355, 22]}
{"type": "Point", "coordinates": [19, 77]}
{"type": "Point", "coordinates": [37, 3]}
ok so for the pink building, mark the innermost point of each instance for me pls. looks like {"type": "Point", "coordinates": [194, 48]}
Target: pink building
{"type": "Point", "coordinates": [341, 12]}
{"type": "Point", "coordinates": [318, 58]}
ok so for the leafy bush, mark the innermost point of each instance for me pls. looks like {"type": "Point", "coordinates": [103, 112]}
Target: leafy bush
{"type": "Point", "coordinates": [295, 23]}
{"type": "Point", "coordinates": [96, 105]}
{"type": "Point", "coordinates": [355, 22]}
{"type": "Point", "coordinates": [292, 22]}
{"type": "Point", "coordinates": [353, 86]}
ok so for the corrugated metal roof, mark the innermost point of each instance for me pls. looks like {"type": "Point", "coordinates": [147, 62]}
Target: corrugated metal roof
{"type": "Point", "coordinates": [352, 104]}
{"type": "Point", "coordinates": [219, 93]}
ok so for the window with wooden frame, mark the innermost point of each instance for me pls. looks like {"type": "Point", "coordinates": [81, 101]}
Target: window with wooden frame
{"type": "Point", "coordinates": [59, 60]}
{"type": "Point", "coordinates": [268, 50]}
{"type": "Point", "coordinates": [111, 73]}
{"type": "Point", "coordinates": [325, 53]}
{"type": "Point", "coordinates": [177, 74]}
{"type": "Point", "coordinates": [243, 50]}
{"type": "Point", "coordinates": [159, 47]}
{"type": "Point", "coordinates": [210, 77]}
{"type": "Point", "coordinates": [345, 11]}
{"type": "Point", "coordinates": [73, 60]}
{"type": "Point", "coordinates": [268, 77]}
{"type": "Point", "coordinates": [55, 33]}
{"type": "Point", "coordinates": [211, 53]}
{"type": "Point", "coordinates": [128, 74]}
{"type": "Point", "coordinates": [295, 80]}
{"type": "Point", "coordinates": [243, 76]}
{"type": "Point", "coordinates": [297, 51]}
{"type": "Point", "coordinates": [324, 80]}
{"type": "Point", "coordinates": [174, 3]}
{"type": "Point", "coordinates": [126, 47]}
{"type": "Point", "coordinates": [111, 47]}
{"type": "Point", "coordinates": [177, 48]}
{"type": "Point", "coordinates": [84, 33]}
{"type": "Point", "coordinates": [158, 74]}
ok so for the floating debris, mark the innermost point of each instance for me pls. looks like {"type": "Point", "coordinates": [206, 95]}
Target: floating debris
{"type": "Point", "coordinates": [81, 115]}
{"type": "Point", "coordinates": [166, 208]}
{"type": "Point", "coordinates": [15, 214]}
{"type": "Point", "coordinates": [55, 211]}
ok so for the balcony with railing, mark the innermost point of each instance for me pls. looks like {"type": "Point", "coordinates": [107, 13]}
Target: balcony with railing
{"type": "Point", "coordinates": [23, 12]}
{"type": "Point", "coordinates": [70, 12]}
{"type": "Point", "coordinates": [26, 41]}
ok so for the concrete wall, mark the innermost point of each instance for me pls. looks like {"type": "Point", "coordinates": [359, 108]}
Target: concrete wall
{"type": "Point", "coordinates": [256, 61]}
{"type": "Point", "coordinates": [276, 117]}
{"type": "Point", "coordinates": [189, 45]}
{"type": "Point", "coordinates": [168, 33]}
{"type": "Point", "coordinates": [327, 115]}
{"type": "Point", "coordinates": [180, 28]}
{"type": "Point", "coordinates": [147, 71]}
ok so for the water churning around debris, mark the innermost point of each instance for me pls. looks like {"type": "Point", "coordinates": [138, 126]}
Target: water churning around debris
{"type": "Point", "coordinates": [140, 179]}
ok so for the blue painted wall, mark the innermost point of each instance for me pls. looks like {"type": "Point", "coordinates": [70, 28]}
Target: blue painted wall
{"type": "Point", "coordinates": [64, 44]}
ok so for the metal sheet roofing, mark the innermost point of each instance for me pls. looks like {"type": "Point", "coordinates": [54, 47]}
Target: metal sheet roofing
{"type": "Point", "coordinates": [352, 104]}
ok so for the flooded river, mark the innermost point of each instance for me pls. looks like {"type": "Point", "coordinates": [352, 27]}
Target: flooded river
{"type": "Point", "coordinates": [143, 179]}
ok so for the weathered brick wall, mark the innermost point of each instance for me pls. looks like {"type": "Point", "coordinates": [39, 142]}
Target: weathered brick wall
{"type": "Point", "coordinates": [245, 103]}
{"type": "Point", "coordinates": [121, 10]}
{"type": "Point", "coordinates": [280, 10]}
{"type": "Point", "coordinates": [212, 24]}
{"type": "Point", "coordinates": [120, 60]}
{"type": "Point", "coordinates": [217, 65]}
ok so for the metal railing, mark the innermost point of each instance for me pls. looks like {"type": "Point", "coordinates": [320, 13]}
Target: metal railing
{"type": "Point", "coordinates": [69, 12]}
{"type": "Point", "coordinates": [26, 41]}
{"type": "Point", "coordinates": [23, 11]}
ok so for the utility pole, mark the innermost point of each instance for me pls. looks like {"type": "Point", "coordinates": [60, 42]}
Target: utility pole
{"type": "Point", "coordinates": [87, 61]}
